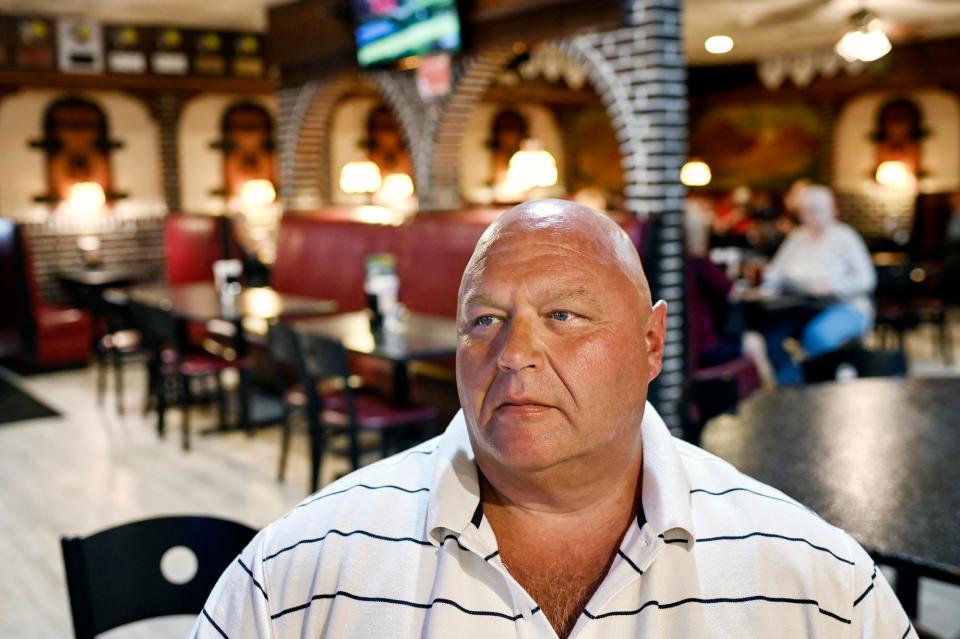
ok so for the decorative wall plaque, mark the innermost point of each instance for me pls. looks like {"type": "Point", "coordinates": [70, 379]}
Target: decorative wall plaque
{"type": "Point", "coordinates": [209, 59]}
{"type": "Point", "coordinates": [80, 46]}
{"type": "Point", "coordinates": [125, 54]}
{"type": "Point", "coordinates": [34, 48]}
{"type": "Point", "coordinates": [247, 56]}
{"type": "Point", "coordinates": [169, 57]}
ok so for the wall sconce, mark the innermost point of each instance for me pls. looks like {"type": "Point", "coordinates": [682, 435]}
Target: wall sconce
{"type": "Point", "coordinates": [257, 193]}
{"type": "Point", "coordinates": [895, 175]}
{"type": "Point", "coordinates": [395, 188]}
{"type": "Point", "coordinates": [362, 176]}
{"type": "Point", "coordinates": [529, 168]}
{"type": "Point", "coordinates": [695, 173]}
{"type": "Point", "coordinates": [84, 199]}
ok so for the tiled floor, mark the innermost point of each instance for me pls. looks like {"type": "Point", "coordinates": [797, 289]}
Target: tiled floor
{"type": "Point", "coordinates": [91, 469]}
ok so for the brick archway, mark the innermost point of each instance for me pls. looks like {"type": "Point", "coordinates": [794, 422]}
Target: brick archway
{"type": "Point", "coordinates": [306, 113]}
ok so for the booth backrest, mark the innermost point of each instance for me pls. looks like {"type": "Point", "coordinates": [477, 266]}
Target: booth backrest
{"type": "Point", "coordinates": [435, 253]}
{"type": "Point", "coordinates": [324, 258]}
{"type": "Point", "coordinates": [13, 290]}
{"type": "Point", "coordinates": [192, 243]}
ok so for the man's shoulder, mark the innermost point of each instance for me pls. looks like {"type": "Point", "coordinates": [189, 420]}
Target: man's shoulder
{"type": "Point", "coordinates": [388, 497]}
{"type": "Point", "coordinates": [726, 502]}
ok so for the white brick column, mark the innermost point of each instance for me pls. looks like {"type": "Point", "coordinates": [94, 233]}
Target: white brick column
{"type": "Point", "coordinates": [640, 72]}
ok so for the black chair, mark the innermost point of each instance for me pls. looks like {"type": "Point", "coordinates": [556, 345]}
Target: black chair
{"type": "Point", "coordinates": [114, 576]}
{"type": "Point", "coordinates": [865, 363]}
{"type": "Point", "coordinates": [171, 369]}
{"type": "Point", "coordinates": [334, 406]}
{"type": "Point", "coordinates": [119, 344]}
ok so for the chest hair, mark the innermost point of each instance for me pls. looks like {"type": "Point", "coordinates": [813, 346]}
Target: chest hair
{"type": "Point", "coordinates": [561, 583]}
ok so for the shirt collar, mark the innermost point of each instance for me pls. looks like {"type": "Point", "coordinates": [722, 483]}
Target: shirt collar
{"type": "Point", "coordinates": [455, 486]}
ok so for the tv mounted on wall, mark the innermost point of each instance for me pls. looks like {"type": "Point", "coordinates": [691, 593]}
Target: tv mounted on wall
{"type": "Point", "coordinates": [388, 30]}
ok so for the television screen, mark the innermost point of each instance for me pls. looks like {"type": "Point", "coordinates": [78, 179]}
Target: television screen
{"type": "Point", "coordinates": [388, 30]}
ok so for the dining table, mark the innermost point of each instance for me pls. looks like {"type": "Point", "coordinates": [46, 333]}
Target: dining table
{"type": "Point", "coordinates": [241, 318]}
{"type": "Point", "coordinates": [201, 302]}
{"type": "Point", "coordinates": [879, 457]}
{"type": "Point", "coordinates": [411, 337]}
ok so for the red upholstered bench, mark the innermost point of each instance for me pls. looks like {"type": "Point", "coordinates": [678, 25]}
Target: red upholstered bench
{"type": "Point", "coordinates": [323, 256]}
{"type": "Point", "coordinates": [192, 243]}
{"type": "Point", "coordinates": [36, 332]}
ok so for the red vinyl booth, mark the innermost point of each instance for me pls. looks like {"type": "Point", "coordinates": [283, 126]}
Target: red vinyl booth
{"type": "Point", "coordinates": [46, 335]}
{"type": "Point", "coordinates": [192, 243]}
{"type": "Point", "coordinates": [322, 254]}
{"type": "Point", "coordinates": [321, 257]}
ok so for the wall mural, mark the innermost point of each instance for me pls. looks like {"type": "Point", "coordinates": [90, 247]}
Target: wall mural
{"type": "Point", "coordinates": [246, 139]}
{"type": "Point", "coordinates": [77, 144]}
{"type": "Point", "coordinates": [760, 145]}
{"type": "Point", "coordinates": [898, 133]}
{"type": "Point", "coordinates": [919, 128]}
{"type": "Point", "coordinates": [369, 158]}
{"type": "Point", "coordinates": [597, 161]}
{"type": "Point", "coordinates": [493, 134]}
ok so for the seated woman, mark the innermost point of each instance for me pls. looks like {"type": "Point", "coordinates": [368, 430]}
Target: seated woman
{"type": "Point", "coordinates": [827, 260]}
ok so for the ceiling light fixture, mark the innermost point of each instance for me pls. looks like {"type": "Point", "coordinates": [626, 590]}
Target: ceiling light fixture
{"type": "Point", "coordinates": [865, 41]}
{"type": "Point", "coordinates": [718, 44]}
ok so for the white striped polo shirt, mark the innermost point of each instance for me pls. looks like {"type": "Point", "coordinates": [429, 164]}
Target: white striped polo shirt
{"type": "Point", "coordinates": [401, 549]}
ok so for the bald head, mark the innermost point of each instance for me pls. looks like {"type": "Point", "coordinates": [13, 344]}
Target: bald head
{"type": "Point", "coordinates": [594, 235]}
{"type": "Point", "coordinates": [557, 341]}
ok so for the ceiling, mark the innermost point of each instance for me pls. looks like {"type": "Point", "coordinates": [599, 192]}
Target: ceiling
{"type": "Point", "coordinates": [762, 27]}
{"type": "Point", "coordinates": [758, 27]}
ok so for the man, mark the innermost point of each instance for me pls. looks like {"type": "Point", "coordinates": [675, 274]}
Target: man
{"type": "Point", "coordinates": [556, 503]}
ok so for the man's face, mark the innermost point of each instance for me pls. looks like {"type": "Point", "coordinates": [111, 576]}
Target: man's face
{"type": "Point", "coordinates": [556, 349]}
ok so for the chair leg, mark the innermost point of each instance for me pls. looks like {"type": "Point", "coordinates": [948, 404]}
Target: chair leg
{"type": "Point", "coordinates": [118, 380]}
{"type": "Point", "coordinates": [946, 345]}
{"type": "Point", "coordinates": [243, 393]}
{"type": "Point", "coordinates": [285, 446]}
{"type": "Point", "coordinates": [149, 396]}
{"type": "Point", "coordinates": [160, 397]}
{"type": "Point", "coordinates": [221, 403]}
{"type": "Point", "coordinates": [185, 401]}
{"type": "Point", "coordinates": [316, 452]}
{"type": "Point", "coordinates": [354, 447]}
{"type": "Point", "coordinates": [101, 377]}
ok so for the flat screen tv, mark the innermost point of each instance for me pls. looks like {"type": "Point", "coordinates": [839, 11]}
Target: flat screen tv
{"type": "Point", "coordinates": [387, 30]}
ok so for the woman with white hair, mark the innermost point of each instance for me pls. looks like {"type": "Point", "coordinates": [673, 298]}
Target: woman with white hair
{"type": "Point", "coordinates": [825, 259]}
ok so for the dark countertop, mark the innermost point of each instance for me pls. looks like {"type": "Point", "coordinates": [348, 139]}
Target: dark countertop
{"type": "Point", "coordinates": [879, 458]}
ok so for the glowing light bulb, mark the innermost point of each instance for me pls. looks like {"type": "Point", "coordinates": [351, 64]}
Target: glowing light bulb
{"type": "Point", "coordinates": [718, 44]}
{"type": "Point", "coordinates": [695, 173]}
{"type": "Point", "coordinates": [362, 176]}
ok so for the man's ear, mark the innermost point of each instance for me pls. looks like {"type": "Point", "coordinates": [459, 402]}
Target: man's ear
{"type": "Point", "coordinates": [656, 332]}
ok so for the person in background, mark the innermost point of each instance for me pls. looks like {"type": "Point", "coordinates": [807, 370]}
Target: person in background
{"type": "Point", "coordinates": [717, 334]}
{"type": "Point", "coordinates": [731, 219]}
{"type": "Point", "coordinates": [827, 260]}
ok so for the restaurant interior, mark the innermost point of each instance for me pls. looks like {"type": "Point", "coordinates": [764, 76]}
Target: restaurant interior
{"type": "Point", "coordinates": [232, 236]}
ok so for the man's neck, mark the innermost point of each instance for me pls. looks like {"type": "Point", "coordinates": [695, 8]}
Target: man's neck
{"type": "Point", "coordinates": [587, 492]}
{"type": "Point", "coordinates": [558, 532]}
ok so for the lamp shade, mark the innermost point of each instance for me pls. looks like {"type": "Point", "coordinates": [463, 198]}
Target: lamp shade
{"type": "Point", "coordinates": [362, 176]}
{"type": "Point", "coordinates": [85, 198]}
{"type": "Point", "coordinates": [895, 174]}
{"type": "Point", "coordinates": [396, 186]}
{"type": "Point", "coordinates": [531, 167]}
{"type": "Point", "coordinates": [695, 173]}
{"type": "Point", "coordinates": [257, 192]}
{"type": "Point", "coordinates": [866, 43]}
